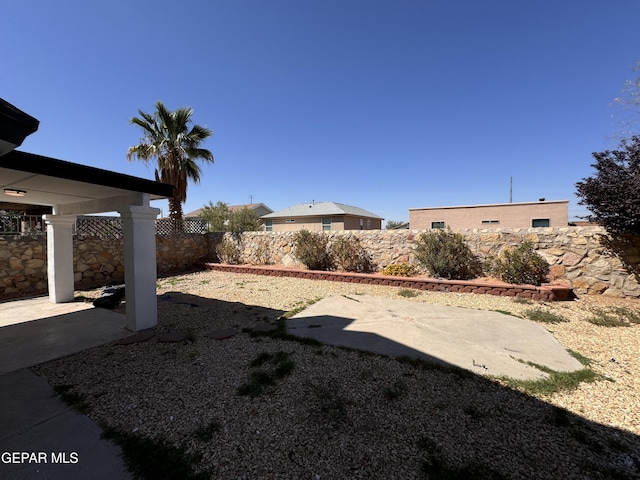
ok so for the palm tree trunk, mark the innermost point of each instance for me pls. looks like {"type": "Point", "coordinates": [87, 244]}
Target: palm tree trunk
{"type": "Point", "coordinates": [175, 214]}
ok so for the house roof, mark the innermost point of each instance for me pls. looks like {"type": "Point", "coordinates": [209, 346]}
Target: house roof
{"type": "Point", "coordinates": [321, 208]}
{"type": "Point", "coordinates": [15, 126]}
{"type": "Point", "coordinates": [233, 208]}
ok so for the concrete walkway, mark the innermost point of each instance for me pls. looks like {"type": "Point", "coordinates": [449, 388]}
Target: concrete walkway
{"type": "Point", "coordinates": [59, 443]}
{"type": "Point", "coordinates": [487, 343]}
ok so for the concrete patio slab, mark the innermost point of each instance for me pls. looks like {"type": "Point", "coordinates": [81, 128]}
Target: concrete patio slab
{"type": "Point", "coordinates": [35, 330]}
{"type": "Point", "coordinates": [60, 442]}
{"type": "Point", "coordinates": [487, 343]}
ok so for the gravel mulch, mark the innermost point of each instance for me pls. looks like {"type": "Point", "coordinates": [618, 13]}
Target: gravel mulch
{"type": "Point", "coordinates": [257, 407]}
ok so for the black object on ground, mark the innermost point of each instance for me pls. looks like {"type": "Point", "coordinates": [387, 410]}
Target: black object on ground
{"type": "Point", "coordinates": [110, 298]}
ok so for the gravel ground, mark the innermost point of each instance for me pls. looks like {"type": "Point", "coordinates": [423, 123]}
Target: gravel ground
{"type": "Point", "coordinates": [333, 413]}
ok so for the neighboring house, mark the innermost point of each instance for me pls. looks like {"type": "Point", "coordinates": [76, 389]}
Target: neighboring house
{"type": "Point", "coordinates": [317, 216]}
{"type": "Point", "coordinates": [260, 209]}
{"type": "Point", "coordinates": [543, 213]}
{"type": "Point", "coordinates": [402, 226]}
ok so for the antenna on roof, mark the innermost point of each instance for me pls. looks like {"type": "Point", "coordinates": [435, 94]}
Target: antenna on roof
{"type": "Point", "coordinates": [510, 189]}
{"type": "Point", "coordinates": [251, 199]}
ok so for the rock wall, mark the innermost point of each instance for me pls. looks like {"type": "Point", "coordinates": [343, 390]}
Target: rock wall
{"type": "Point", "coordinates": [583, 258]}
{"type": "Point", "coordinates": [23, 266]}
{"type": "Point", "coordinates": [180, 252]}
{"type": "Point", "coordinates": [98, 261]}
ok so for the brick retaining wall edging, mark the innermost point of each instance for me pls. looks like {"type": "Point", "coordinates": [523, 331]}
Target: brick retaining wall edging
{"type": "Point", "coordinates": [548, 293]}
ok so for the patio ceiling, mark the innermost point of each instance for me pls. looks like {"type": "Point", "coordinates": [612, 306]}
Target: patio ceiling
{"type": "Point", "coordinates": [71, 188]}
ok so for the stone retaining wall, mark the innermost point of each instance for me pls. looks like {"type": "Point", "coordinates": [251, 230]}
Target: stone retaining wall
{"type": "Point", "coordinates": [23, 266]}
{"type": "Point", "coordinates": [583, 258]}
{"type": "Point", "coordinates": [98, 261]}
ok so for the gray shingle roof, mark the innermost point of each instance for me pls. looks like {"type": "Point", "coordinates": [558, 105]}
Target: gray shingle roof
{"type": "Point", "coordinates": [321, 208]}
{"type": "Point", "coordinates": [233, 208]}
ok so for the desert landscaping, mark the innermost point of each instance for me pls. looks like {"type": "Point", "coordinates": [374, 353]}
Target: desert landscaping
{"type": "Point", "coordinates": [234, 397]}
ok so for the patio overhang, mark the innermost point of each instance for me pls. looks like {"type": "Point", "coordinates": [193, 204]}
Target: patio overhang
{"type": "Point", "coordinates": [71, 189]}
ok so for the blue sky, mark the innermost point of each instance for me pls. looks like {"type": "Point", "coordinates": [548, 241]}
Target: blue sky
{"type": "Point", "coordinates": [385, 105]}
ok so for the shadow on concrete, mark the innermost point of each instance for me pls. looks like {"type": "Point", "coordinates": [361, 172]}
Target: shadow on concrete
{"type": "Point", "coordinates": [38, 338]}
{"type": "Point", "coordinates": [519, 426]}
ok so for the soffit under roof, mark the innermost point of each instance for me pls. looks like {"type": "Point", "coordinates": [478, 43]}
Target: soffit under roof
{"type": "Point", "coordinates": [49, 181]}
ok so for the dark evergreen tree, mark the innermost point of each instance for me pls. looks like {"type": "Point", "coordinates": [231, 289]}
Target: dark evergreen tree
{"type": "Point", "coordinates": [612, 195]}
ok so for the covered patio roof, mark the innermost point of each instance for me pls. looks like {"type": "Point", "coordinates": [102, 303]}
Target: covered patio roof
{"type": "Point", "coordinates": [72, 189]}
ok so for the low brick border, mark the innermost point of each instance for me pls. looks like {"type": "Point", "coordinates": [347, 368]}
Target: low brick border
{"type": "Point", "coordinates": [548, 293]}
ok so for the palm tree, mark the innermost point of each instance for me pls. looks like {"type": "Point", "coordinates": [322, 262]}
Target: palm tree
{"type": "Point", "coordinates": [176, 147]}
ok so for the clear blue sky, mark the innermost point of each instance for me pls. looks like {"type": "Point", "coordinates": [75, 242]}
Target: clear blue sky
{"type": "Point", "coordinates": [385, 105]}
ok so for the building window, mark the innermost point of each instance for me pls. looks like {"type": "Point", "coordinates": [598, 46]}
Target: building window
{"type": "Point", "coordinates": [326, 223]}
{"type": "Point", "coordinates": [437, 224]}
{"type": "Point", "coordinates": [368, 224]}
{"type": "Point", "coordinates": [361, 224]}
{"type": "Point", "coordinates": [540, 222]}
{"type": "Point", "coordinates": [268, 225]}
{"type": "Point", "coordinates": [490, 222]}
{"type": "Point", "coordinates": [290, 220]}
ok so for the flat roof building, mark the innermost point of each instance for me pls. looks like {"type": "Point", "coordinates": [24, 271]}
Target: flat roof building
{"type": "Point", "coordinates": [554, 213]}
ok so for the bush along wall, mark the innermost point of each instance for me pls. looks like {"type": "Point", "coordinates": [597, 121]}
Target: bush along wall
{"type": "Point", "coordinates": [586, 259]}
{"type": "Point", "coordinates": [583, 258]}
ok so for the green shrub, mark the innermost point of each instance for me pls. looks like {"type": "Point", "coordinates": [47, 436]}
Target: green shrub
{"type": "Point", "coordinates": [350, 256]}
{"type": "Point", "coordinates": [445, 254]}
{"type": "Point", "coordinates": [616, 317]}
{"type": "Point", "coordinates": [544, 316]}
{"type": "Point", "coordinates": [520, 265]}
{"type": "Point", "coordinates": [311, 249]}
{"type": "Point", "coordinates": [408, 293]}
{"type": "Point", "coordinates": [228, 251]}
{"type": "Point", "coordinates": [400, 270]}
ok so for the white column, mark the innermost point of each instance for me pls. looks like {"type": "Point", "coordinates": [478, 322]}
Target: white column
{"type": "Point", "coordinates": [140, 266]}
{"type": "Point", "coordinates": [60, 257]}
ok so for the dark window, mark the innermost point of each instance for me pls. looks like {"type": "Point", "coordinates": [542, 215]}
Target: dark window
{"type": "Point", "coordinates": [437, 224]}
{"type": "Point", "coordinates": [540, 222]}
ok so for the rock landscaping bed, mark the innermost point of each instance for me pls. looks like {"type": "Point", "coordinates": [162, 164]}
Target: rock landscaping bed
{"type": "Point", "coordinates": [238, 398]}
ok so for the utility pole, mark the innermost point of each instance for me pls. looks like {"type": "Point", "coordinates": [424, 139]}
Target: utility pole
{"type": "Point", "coordinates": [251, 199]}
{"type": "Point", "coordinates": [510, 189]}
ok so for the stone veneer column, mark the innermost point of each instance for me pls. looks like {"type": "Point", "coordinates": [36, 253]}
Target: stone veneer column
{"type": "Point", "coordinates": [140, 266]}
{"type": "Point", "coordinates": [60, 257]}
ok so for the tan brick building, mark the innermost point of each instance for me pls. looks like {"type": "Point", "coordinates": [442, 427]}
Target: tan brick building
{"type": "Point", "coordinates": [553, 213]}
{"type": "Point", "coordinates": [317, 216]}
